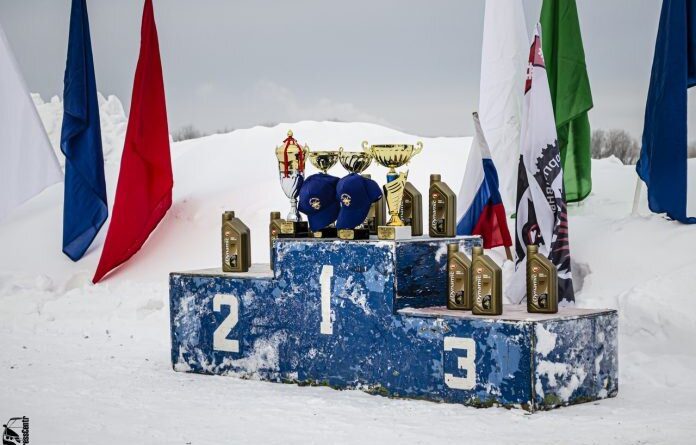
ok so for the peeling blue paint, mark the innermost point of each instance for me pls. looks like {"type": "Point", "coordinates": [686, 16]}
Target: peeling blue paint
{"type": "Point", "coordinates": [388, 334]}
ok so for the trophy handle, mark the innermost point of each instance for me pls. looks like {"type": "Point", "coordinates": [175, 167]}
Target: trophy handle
{"type": "Point", "coordinates": [366, 148]}
{"type": "Point", "coordinates": [417, 149]}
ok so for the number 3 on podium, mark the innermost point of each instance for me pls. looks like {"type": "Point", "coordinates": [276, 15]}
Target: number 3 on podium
{"type": "Point", "coordinates": [467, 363]}
{"type": "Point", "coordinates": [220, 340]}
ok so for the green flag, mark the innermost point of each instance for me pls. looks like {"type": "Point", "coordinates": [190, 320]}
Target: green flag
{"type": "Point", "coordinates": [570, 93]}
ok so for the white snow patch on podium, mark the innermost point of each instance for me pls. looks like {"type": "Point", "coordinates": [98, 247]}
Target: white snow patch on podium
{"type": "Point", "coordinates": [546, 340]}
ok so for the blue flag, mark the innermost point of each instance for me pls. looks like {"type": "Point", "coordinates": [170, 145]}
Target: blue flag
{"type": "Point", "coordinates": [85, 206]}
{"type": "Point", "coordinates": [662, 163]}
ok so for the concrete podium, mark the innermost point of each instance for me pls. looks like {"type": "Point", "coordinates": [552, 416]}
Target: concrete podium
{"type": "Point", "coordinates": [371, 315]}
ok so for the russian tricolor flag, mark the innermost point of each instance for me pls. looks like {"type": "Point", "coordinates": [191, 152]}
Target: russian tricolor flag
{"type": "Point", "coordinates": [480, 209]}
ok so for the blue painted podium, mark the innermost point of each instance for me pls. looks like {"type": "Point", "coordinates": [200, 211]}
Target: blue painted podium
{"type": "Point", "coordinates": [371, 315]}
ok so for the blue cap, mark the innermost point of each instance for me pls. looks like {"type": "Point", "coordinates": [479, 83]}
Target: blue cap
{"type": "Point", "coordinates": [356, 194]}
{"type": "Point", "coordinates": [318, 200]}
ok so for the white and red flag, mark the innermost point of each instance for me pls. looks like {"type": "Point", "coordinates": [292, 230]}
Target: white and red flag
{"type": "Point", "coordinates": [542, 217]}
{"type": "Point", "coordinates": [480, 209]}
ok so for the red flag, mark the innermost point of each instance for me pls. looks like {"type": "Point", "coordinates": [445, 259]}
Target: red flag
{"type": "Point", "coordinates": [144, 190]}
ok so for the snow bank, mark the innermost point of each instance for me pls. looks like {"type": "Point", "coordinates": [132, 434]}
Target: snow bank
{"type": "Point", "coordinates": [111, 115]}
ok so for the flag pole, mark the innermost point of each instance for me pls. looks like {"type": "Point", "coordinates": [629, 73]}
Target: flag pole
{"type": "Point", "coordinates": [636, 197]}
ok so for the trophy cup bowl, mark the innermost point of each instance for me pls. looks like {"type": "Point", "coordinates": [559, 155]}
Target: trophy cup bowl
{"type": "Point", "coordinates": [323, 160]}
{"type": "Point", "coordinates": [354, 161]}
{"type": "Point", "coordinates": [291, 159]}
{"type": "Point", "coordinates": [393, 156]}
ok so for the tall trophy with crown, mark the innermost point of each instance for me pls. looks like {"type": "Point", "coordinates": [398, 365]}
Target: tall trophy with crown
{"type": "Point", "coordinates": [393, 156]}
{"type": "Point", "coordinates": [291, 167]}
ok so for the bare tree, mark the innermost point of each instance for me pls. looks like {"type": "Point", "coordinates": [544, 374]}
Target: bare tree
{"type": "Point", "coordinates": [187, 132]}
{"type": "Point", "coordinates": [598, 144]}
{"type": "Point", "coordinates": [623, 146]}
{"type": "Point", "coordinates": [615, 143]}
{"type": "Point", "coordinates": [224, 130]}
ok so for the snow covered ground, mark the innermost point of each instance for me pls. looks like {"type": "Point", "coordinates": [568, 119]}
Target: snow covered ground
{"type": "Point", "coordinates": [90, 364]}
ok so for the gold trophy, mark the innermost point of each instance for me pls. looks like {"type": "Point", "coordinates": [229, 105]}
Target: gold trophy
{"type": "Point", "coordinates": [291, 165]}
{"type": "Point", "coordinates": [355, 162]}
{"type": "Point", "coordinates": [323, 161]}
{"type": "Point", "coordinates": [393, 156]}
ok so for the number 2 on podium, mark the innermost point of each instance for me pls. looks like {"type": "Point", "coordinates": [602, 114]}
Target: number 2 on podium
{"type": "Point", "coordinates": [220, 340]}
{"type": "Point", "coordinates": [222, 343]}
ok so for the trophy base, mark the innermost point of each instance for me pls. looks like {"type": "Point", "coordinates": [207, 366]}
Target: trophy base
{"type": "Point", "coordinates": [294, 229]}
{"type": "Point", "coordinates": [353, 234]}
{"type": "Point", "coordinates": [328, 232]}
{"type": "Point", "coordinates": [393, 232]}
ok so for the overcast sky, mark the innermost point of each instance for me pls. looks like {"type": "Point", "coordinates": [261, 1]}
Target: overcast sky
{"type": "Point", "coordinates": [410, 65]}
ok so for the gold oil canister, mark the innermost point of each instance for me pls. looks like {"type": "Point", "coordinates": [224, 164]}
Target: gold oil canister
{"type": "Point", "coordinates": [273, 232]}
{"type": "Point", "coordinates": [542, 283]}
{"type": "Point", "coordinates": [458, 279]}
{"type": "Point", "coordinates": [236, 244]}
{"type": "Point", "coordinates": [377, 210]}
{"type": "Point", "coordinates": [486, 284]}
{"type": "Point", "coordinates": [442, 208]}
{"type": "Point", "coordinates": [381, 215]}
{"type": "Point", "coordinates": [412, 209]}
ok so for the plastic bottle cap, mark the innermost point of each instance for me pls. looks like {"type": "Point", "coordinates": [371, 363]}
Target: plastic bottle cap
{"type": "Point", "coordinates": [532, 248]}
{"type": "Point", "coordinates": [435, 178]}
{"type": "Point", "coordinates": [478, 250]}
{"type": "Point", "coordinates": [453, 247]}
{"type": "Point", "coordinates": [367, 176]}
{"type": "Point", "coordinates": [275, 215]}
{"type": "Point", "coordinates": [228, 215]}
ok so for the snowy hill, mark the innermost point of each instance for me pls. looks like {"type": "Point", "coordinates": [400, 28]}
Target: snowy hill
{"type": "Point", "coordinates": [235, 171]}
{"type": "Point", "coordinates": [100, 354]}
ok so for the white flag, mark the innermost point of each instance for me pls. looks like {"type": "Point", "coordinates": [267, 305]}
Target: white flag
{"type": "Point", "coordinates": [503, 64]}
{"type": "Point", "coordinates": [28, 164]}
{"type": "Point", "coordinates": [542, 217]}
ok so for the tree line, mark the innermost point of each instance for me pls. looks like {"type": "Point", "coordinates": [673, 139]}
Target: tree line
{"type": "Point", "coordinates": [621, 144]}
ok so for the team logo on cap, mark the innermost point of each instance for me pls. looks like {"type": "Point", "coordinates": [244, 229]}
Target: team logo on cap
{"type": "Point", "coordinates": [315, 203]}
{"type": "Point", "coordinates": [345, 199]}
